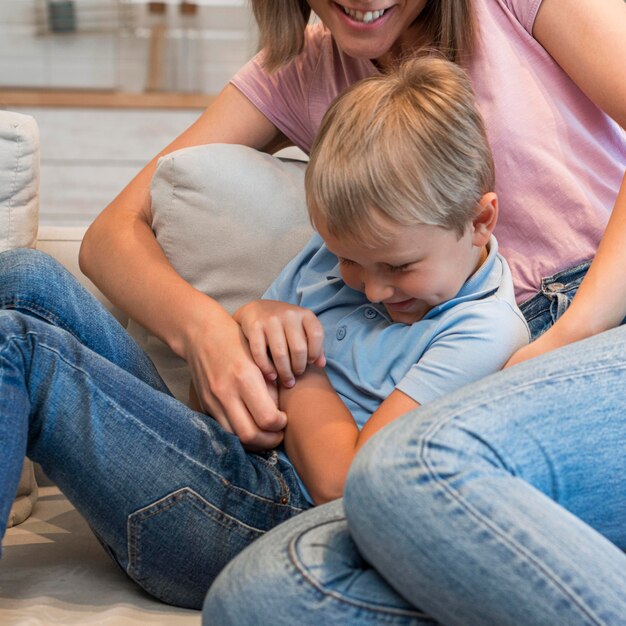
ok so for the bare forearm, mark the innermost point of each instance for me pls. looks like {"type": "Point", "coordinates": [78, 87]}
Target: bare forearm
{"type": "Point", "coordinates": [600, 303]}
{"type": "Point", "coordinates": [321, 435]}
{"type": "Point", "coordinates": [128, 265]}
{"type": "Point", "coordinates": [322, 438]}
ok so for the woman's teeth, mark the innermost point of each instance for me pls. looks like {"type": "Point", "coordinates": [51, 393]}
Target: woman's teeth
{"type": "Point", "coordinates": [365, 17]}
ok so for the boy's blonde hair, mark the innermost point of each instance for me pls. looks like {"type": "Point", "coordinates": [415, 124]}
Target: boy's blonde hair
{"type": "Point", "coordinates": [448, 27]}
{"type": "Point", "coordinates": [409, 146]}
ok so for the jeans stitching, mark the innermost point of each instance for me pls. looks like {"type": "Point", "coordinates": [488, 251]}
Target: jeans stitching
{"type": "Point", "coordinates": [321, 588]}
{"type": "Point", "coordinates": [41, 312]}
{"type": "Point", "coordinates": [285, 491]}
{"type": "Point", "coordinates": [425, 454]}
{"type": "Point", "coordinates": [136, 519]}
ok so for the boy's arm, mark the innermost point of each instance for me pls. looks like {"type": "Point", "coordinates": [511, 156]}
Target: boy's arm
{"type": "Point", "coordinates": [322, 438]}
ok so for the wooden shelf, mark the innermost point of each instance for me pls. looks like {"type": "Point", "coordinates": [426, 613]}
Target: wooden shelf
{"type": "Point", "coordinates": [103, 99]}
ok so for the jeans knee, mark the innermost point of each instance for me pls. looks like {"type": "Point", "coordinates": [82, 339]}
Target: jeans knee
{"type": "Point", "coordinates": [24, 271]}
{"type": "Point", "coordinates": [410, 468]}
{"type": "Point", "coordinates": [24, 259]}
{"type": "Point", "coordinates": [12, 324]}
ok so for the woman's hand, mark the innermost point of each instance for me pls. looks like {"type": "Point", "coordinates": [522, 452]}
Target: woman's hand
{"type": "Point", "coordinates": [283, 338]}
{"type": "Point", "coordinates": [229, 385]}
{"type": "Point", "coordinates": [550, 340]}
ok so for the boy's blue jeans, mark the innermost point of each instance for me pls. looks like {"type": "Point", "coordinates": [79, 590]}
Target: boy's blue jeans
{"type": "Point", "coordinates": [169, 493]}
{"type": "Point", "coordinates": [504, 503]}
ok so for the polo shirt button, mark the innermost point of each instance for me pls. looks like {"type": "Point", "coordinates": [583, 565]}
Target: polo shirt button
{"type": "Point", "coordinates": [341, 333]}
{"type": "Point", "coordinates": [370, 314]}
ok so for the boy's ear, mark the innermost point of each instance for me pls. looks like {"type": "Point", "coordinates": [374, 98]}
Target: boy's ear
{"type": "Point", "coordinates": [485, 219]}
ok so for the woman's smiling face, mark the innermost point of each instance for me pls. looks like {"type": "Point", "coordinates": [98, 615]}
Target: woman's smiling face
{"type": "Point", "coordinates": [371, 29]}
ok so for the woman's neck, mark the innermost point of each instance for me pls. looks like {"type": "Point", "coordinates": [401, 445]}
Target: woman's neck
{"type": "Point", "coordinates": [412, 41]}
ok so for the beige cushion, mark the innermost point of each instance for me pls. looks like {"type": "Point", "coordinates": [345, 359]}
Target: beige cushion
{"type": "Point", "coordinates": [228, 218]}
{"type": "Point", "coordinates": [26, 496]}
{"type": "Point", "coordinates": [19, 180]}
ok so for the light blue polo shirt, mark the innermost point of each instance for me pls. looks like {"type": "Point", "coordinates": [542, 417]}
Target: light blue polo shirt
{"type": "Point", "coordinates": [368, 355]}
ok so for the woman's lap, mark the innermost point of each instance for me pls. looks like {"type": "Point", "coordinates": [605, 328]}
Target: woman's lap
{"type": "Point", "coordinates": [308, 571]}
{"type": "Point", "coordinates": [170, 494]}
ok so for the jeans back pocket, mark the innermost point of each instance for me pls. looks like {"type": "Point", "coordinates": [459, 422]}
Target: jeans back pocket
{"type": "Point", "coordinates": [180, 543]}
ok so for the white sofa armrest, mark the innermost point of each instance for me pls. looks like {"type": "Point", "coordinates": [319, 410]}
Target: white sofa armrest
{"type": "Point", "coordinates": [19, 180]}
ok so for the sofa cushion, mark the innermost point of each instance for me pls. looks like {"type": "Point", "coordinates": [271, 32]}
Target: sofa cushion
{"type": "Point", "coordinates": [19, 180]}
{"type": "Point", "coordinates": [228, 218]}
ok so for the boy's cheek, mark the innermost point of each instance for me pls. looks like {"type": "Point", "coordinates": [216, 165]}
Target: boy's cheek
{"type": "Point", "coordinates": [351, 280]}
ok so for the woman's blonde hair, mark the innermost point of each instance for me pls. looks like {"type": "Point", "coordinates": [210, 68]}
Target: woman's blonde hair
{"type": "Point", "coordinates": [448, 26]}
{"type": "Point", "coordinates": [409, 146]}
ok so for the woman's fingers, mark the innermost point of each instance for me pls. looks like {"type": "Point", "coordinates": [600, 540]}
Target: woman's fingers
{"type": "Point", "coordinates": [232, 388]}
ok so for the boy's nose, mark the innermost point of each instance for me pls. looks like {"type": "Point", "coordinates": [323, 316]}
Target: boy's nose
{"type": "Point", "coordinates": [376, 291]}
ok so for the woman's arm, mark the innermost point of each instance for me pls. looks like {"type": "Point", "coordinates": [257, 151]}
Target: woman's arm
{"type": "Point", "coordinates": [122, 257]}
{"type": "Point", "coordinates": [588, 40]}
{"type": "Point", "coordinates": [322, 438]}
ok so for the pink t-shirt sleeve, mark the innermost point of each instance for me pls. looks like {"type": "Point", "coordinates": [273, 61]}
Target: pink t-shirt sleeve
{"type": "Point", "coordinates": [525, 11]}
{"type": "Point", "coordinates": [283, 96]}
{"type": "Point", "coordinates": [295, 97]}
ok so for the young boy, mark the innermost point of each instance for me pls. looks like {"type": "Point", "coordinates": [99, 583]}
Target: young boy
{"type": "Point", "coordinates": [409, 296]}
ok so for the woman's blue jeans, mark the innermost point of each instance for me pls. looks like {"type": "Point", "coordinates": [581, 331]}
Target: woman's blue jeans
{"type": "Point", "coordinates": [171, 495]}
{"type": "Point", "coordinates": [504, 503]}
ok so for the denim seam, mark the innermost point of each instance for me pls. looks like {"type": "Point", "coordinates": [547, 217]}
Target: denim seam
{"type": "Point", "coordinates": [33, 307]}
{"type": "Point", "coordinates": [316, 584]}
{"type": "Point", "coordinates": [285, 492]}
{"type": "Point", "coordinates": [223, 479]}
{"type": "Point", "coordinates": [425, 454]}
{"type": "Point", "coordinates": [133, 523]}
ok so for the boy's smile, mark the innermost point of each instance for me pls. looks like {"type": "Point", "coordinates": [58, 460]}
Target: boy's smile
{"type": "Point", "coordinates": [417, 268]}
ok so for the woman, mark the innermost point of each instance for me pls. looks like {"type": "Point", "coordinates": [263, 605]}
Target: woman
{"type": "Point", "coordinates": [549, 80]}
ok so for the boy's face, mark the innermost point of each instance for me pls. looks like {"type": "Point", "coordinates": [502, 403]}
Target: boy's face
{"type": "Point", "coordinates": [419, 267]}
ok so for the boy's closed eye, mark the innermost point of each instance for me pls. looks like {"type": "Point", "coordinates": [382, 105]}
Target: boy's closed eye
{"type": "Point", "coordinates": [390, 268]}
{"type": "Point", "coordinates": [400, 268]}
{"type": "Point", "coordinates": [343, 261]}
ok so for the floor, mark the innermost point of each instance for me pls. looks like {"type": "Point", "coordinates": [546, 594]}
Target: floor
{"type": "Point", "coordinates": [54, 571]}
{"type": "Point", "coordinates": [89, 155]}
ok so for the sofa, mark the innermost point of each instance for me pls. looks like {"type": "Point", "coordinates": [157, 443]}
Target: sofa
{"type": "Point", "coordinates": [228, 219]}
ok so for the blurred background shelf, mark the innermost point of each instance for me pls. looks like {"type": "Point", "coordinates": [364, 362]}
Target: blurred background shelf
{"type": "Point", "coordinates": [111, 83]}
{"type": "Point", "coordinates": [11, 98]}
{"type": "Point", "coordinates": [124, 45]}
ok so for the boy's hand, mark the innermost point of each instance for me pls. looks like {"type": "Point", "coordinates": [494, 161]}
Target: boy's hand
{"type": "Point", "coordinates": [293, 336]}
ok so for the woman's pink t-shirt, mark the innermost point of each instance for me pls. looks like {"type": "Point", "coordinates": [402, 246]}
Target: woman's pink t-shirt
{"type": "Point", "coordinates": [559, 158]}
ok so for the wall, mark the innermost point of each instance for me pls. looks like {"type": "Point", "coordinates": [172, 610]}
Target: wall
{"type": "Point", "coordinates": [119, 44]}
